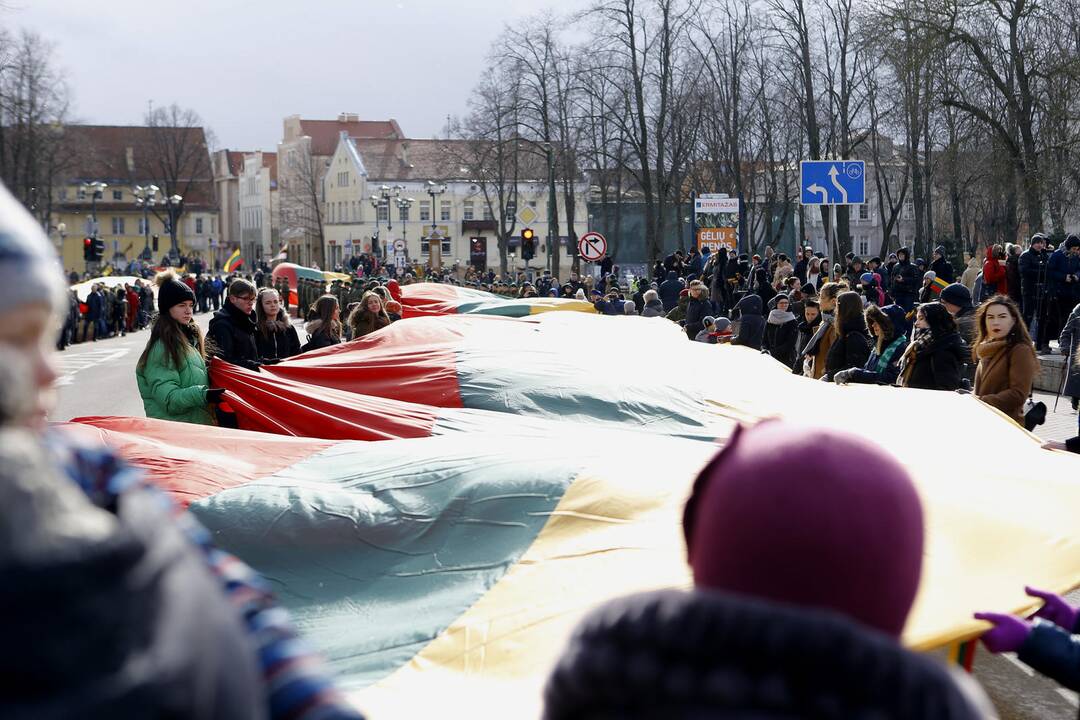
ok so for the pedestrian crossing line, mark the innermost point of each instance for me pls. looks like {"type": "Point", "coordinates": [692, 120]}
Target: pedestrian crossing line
{"type": "Point", "coordinates": [71, 365]}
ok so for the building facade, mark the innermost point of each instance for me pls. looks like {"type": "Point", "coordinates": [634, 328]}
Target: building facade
{"type": "Point", "coordinates": [465, 222]}
{"type": "Point", "coordinates": [258, 212]}
{"type": "Point", "coordinates": [303, 160]}
{"type": "Point", "coordinates": [227, 166]}
{"type": "Point", "coordinates": [124, 157]}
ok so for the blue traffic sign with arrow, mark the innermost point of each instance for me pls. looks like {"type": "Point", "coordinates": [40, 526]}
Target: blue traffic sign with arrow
{"type": "Point", "coordinates": [833, 182]}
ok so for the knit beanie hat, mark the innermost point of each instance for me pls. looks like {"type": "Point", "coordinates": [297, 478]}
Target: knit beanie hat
{"type": "Point", "coordinates": [723, 325]}
{"type": "Point", "coordinates": [956, 294]}
{"type": "Point", "coordinates": [171, 291]}
{"type": "Point", "coordinates": [29, 268]}
{"type": "Point", "coordinates": [828, 535]}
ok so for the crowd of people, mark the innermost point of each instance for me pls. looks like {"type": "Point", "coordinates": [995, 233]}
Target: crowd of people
{"type": "Point", "coordinates": [122, 607]}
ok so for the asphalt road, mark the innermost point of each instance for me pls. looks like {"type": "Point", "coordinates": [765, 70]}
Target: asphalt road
{"type": "Point", "coordinates": [98, 378]}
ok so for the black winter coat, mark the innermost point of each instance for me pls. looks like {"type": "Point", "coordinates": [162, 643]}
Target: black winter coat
{"type": "Point", "coordinates": [690, 656]}
{"type": "Point", "coordinates": [780, 339]}
{"type": "Point", "coordinates": [696, 310]}
{"type": "Point", "coordinates": [319, 338]}
{"type": "Point", "coordinates": [278, 345]}
{"type": "Point", "coordinates": [232, 336]}
{"type": "Point", "coordinates": [939, 365]}
{"type": "Point", "coordinates": [849, 350]}
{"type": "Point", "coordinates": [669, 291]}
{"type": "Point", "coordinates": [905, 282]}
{"type": "Point", "coordinates": [944, 270]}
{"type": "Point", "coordinates": [751, 323]}
{"type": "Point", "coordinates": [1032, 267]}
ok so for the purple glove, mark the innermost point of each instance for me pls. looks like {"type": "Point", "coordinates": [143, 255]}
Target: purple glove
{"type": "Point", "coordinates": [1054, 609]}
{"type": "Point", "coordinates": [1008, 633]}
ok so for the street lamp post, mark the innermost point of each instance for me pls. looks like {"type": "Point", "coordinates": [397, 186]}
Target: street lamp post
{"type": "Point", "coordinates": [386, 197]}
{"type": "Point", "coordinates": [403, 205]}
{"type": "Point", "coordinates": [172, 205]}
{"type": "Point", "coordinates": [146, 198]}
{"type": "Point", "coordinates": [435, 190]}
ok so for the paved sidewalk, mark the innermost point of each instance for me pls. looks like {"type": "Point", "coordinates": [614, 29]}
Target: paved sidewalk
{"type": "Point", "coordinates": [1059, 425]}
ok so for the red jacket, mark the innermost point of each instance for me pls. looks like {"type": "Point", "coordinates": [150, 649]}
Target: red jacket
{"type": "Point", "coordinates": [994, 273]}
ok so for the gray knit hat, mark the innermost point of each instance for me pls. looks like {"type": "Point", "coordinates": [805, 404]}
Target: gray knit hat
{"type": "Point", "coordinates": [29, 268]}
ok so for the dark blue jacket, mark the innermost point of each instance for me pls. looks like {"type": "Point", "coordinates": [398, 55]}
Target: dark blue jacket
{"type": "Point", "coordinates": [94, 303]}
{"type": "Point", "coordinates": [1032, 270]}
{"type": "Point", "coordinates": [609, 307]}
{"type": "Point", "coordinates": [751, 322]}
{"type": "Point", "coordinates": [1053, 652]}
{"type": "Point", "coordinates": [673, 654]}
{"type": "Point", "coordinates": [669, 291]}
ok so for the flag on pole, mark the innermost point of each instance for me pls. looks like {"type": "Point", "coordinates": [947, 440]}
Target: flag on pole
{"type": "Point", "coordinates": [234, 262]}
{"type": "Point", "coordinates": [283, 254]}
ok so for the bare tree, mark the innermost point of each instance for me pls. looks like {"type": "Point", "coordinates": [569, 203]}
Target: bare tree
{"type": "Point", "coordinates": [300, 195]}
{"type": "Point", "coordinates": [176, 151]}
{"type": "Point", "coordinates": [488, 148]}
{"type": "Point", "coordinates": [33, 107]}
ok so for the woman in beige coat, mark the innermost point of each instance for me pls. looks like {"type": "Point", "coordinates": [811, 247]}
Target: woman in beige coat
{"type": "Point", "coordinates": [1006, 357]}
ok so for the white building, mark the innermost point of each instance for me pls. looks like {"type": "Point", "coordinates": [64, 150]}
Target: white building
{"type": "Point", "coordinates": [360, 167]}
{"type": "Point", "coordinates": [258, 211]}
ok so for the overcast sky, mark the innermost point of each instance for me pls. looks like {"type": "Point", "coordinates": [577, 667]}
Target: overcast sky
{"type": "Point", "coordinates": [243, 65]}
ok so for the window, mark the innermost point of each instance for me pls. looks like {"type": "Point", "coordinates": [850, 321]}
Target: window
{"type": "Point", "coordinates": [468, 212]}
{"type": "Point", "coordinates": [198, 226]}
{"type": "Point", "coordinates": [117, 194]}
{"type": "Point", "coordinates": [532, 204]}
{"type": "Point", "coordinates": [355, 212]}
{"type": "Point", "coordinates": [864, 212]}
{"type": "Point", "coordinates": [444, 210]}
{"type": "Point", "coordinates": [425, 210]}
{"type": "Point", "coordinates": [863, 248]}
{"type": "Point", "coordinates": [403, 213]}
{"type": "Point", "coordinates": [425, 247]}
{"type": "Point", "coordinates": [511, 208]}
{"type": "Point", "coordinates": [909, 210]}
{"type": "Point", "coordinates": [143, 226]}
{"type": "Point", "coordinates": [118, 226]}
{"type": "Point", "coordinates": [384, 211]}
{"type": "Point", "coordinates": [487, 212]}
{"type": "Point", "coordinates": [63, 194]}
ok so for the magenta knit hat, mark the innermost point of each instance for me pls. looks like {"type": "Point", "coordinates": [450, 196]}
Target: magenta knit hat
{"type": "Point", "coordinates": [808, 516]}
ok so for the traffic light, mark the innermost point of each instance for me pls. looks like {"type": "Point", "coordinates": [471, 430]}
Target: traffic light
{"type": "Point", "coordinates": [528, 244]}
{"type": "Point", "coordinates": [99, 248]}
{"type": "Point", "coordinates": [87, 249]}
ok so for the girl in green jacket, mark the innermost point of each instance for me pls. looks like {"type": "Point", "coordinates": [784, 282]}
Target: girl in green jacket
{"type": "Point", "coordinates": [171, 373]}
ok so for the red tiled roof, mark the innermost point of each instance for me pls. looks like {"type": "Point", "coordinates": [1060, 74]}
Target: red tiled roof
{"type": "Point", "coordinates": [324, 133]}
{"type": "Point", "coordinates": [103, 152]}
{"type": "Point", "coordinates": [430, 160]}
{"type": "Point", "coordinates": [236, 161]}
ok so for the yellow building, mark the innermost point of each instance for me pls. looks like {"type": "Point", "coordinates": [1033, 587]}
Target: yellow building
{"type": "Point", "coordinates": [123, 158]}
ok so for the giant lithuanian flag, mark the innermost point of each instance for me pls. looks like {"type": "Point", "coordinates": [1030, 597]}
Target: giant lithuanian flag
{"type": "Point", "coordinates": [440, 502]}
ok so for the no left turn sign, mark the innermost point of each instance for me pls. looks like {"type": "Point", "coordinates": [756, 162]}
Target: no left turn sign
{"type": "Point", "coordinates": [592, 247]}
